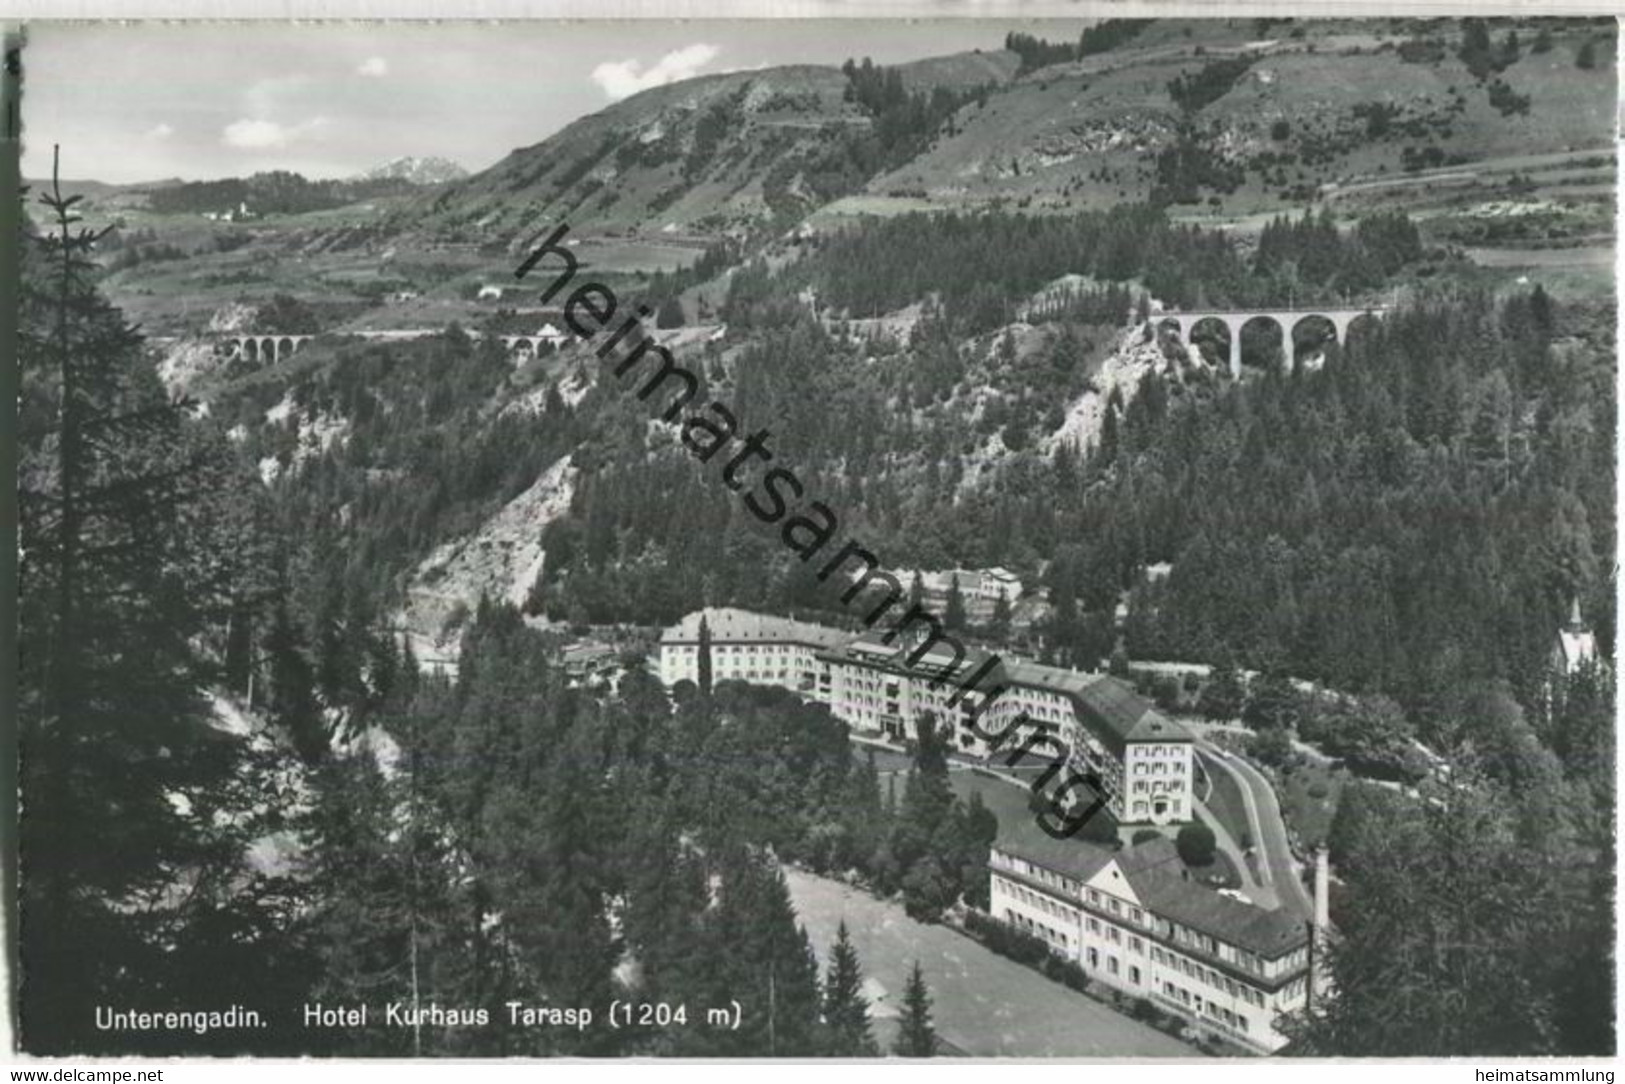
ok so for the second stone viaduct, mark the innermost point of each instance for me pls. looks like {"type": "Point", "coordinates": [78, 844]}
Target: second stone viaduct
{"type": "Point", "coordinates": [266, 347]}
{"type": "Point", "coordinates": [1287, 320]}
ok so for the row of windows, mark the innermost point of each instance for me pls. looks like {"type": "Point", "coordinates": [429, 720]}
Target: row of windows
{"type": "Point", "coordinates": [1158, 767]}
{"type": "Point", "coordinates": [1207, 1008]}
{"type": "Point", "coordinates": [764, 672]}
{"type": "Point", "coordinates": [1096, 898]}
{"type": "Point", "coordinates": [1093, 956]}
{"type": "Point", "coordinates": [1179, 750]}
{"type": "Point", "coordinates": [1209, 976]}
{"type": "Point", "coordinates": [1054, 937]}
{"type": "Point", "coordinates": [746, 649]}
{"type": "Point", "coordinates": [1041, 875]}
{"type": "Point", "coordinates": [1115, 936]}
{"type": "Point", "coordinates": [1134, 916]}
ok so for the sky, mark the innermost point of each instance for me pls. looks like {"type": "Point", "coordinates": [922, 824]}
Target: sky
{"type": "Point", "coordinates": [140, 101]}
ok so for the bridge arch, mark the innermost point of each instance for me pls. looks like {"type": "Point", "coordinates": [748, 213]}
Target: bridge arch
{"type": "Point", "coordinates": [1201, 327]}
{"type": "Point", "coordinates": [1311, 331]}
{"type": "Point", "coordinates": [1358, 324]}
{"type": "Point", "coordinates": [1280, 341]}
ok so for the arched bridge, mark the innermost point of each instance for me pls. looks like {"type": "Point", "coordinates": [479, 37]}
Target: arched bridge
{"type": "Point", "coordinates": [531, 345]}
{"type": "Point", "coordinates": [266, 347]}
{"type": "Point", "coordinates": [1285, 319]}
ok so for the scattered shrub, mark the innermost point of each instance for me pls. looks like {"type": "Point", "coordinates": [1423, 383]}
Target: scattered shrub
{"type": "Point", "coordinates": [1196, 845]}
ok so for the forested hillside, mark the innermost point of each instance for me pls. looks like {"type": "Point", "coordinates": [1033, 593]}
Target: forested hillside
{"type": "Point", "coordinates": [210, 821]}
{"type": "Point", "coordinates": [241, 786]}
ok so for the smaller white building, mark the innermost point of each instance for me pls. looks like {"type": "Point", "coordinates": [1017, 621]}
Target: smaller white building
{"type": "Point", "coordinates": [979, 588]}
{"type": "Point", "coordinates": [1576, 644]}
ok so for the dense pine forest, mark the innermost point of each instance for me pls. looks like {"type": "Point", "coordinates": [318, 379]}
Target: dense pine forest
{"type": "Point", "coordinates": [210, 664]}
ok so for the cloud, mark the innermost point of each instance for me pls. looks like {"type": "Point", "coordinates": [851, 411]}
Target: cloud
{"type": "Point", "coordinates": [622, 78]}
{"type": "Point", "coordinates": [160, 131]}
{"type": "Point", "coordinates": [258, 135]}
{"type": "Point", "coordinates": [374, 66]}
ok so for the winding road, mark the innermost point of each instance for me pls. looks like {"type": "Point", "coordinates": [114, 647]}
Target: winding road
{"type": "Point", "coordinates": [1280, 868]}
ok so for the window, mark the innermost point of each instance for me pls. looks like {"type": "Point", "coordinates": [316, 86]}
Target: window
{"type": "Point", "coordinates": [1134, 975]}
{"type": "Point", "coordinates": [1111, 964]}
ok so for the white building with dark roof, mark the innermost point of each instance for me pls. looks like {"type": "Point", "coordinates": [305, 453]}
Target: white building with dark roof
{"type": "Point", "coordinates": [745, 646]}
{"type": "Point", "coordinates": [1575, 644]}
{"type": "Point", "coordinates": [979, 588]}
{"type": "Point", "coordinates": [1135, 922]}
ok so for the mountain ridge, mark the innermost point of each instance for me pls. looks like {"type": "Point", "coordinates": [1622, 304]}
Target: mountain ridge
{"type": "Point", "coordinates": [431, 169]}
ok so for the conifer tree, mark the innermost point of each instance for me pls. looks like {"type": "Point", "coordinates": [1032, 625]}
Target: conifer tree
{"type": "Point", "coordinates": [359, 928]}
{"type": "Point", "coordinates": [704, 662]}
{"type": "Point", "coordinates": [916, 1037]}
{"type": "Point", "coordinates": [846, 1010]}
{"type": "Point", "coordinates": [767, 963]}
{"type": "Point", "coordinates": [1223, 696]}
{"type": "Point", "coordinates": [292, 697]}
{"type": "Point", "coordinates": [954, 612]}
{"type": "Point", "coordinates": [550, 883]}
{"type": "Point", "coordinates": [999, 626]}
{"type": "Point", "coordinates": [118, 586]}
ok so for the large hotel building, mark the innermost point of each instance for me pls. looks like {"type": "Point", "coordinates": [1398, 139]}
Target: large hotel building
{"type": "Point", "coordinates": [1101, 724]}
{"type": "Point", "coordinates": [1131, 918]}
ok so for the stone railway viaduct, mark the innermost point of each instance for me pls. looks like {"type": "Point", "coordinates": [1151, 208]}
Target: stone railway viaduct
{"type": "Point", "coordinates": [272, 347]}
{"type": "Point", "coordinates": [1287, 320]}
{"type": "Point", "coordinates": [268, 347]}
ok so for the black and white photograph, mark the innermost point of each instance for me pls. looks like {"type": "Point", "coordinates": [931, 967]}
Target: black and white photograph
{"type": "Point", "coordinates": [979, 536]}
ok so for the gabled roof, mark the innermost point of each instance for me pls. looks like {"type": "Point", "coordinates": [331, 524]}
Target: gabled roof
{"type": "Point", "coordinates": [1157, 877]}
{"type": "Point", "coordinates": [872, 649]}
{"type": "Point", "coordinates": [1110, 708]}
{"type": "Point", "coordinates": [1069, 857]}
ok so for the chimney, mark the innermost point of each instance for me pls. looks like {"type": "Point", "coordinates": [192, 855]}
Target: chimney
{"type": "Point", "coordinates": [1323, 918]}
{"type": "Point", "coordinates": [1319, 927]}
